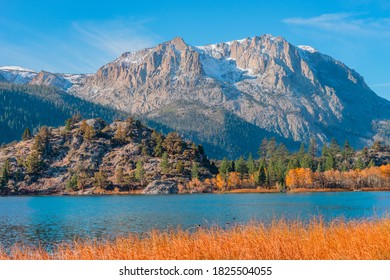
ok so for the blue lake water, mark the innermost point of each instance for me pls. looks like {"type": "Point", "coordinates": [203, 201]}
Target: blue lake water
{"type": "Point", "coordinates": [53, 219]}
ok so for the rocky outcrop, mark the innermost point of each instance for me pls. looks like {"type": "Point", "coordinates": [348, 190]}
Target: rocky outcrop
{"type": "Point", "coordinates": [161, 187]}
{"type": "Point", "coordinates": [91, 156]}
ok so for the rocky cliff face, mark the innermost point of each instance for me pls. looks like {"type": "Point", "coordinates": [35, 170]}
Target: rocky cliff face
{"type": "Point", "coordinates": [292, 92]}
{"type": "Point", "coordinates": [251, 88]}
{"type": "Point", "coordinates": [92, 156]}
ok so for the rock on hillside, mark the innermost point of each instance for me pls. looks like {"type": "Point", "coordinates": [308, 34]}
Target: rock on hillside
{"type": "Point", "coordinates": [91, 156]}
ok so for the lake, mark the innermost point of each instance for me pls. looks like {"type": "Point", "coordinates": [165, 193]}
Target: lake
{"type": "Point", "coordinates": [53, 219]}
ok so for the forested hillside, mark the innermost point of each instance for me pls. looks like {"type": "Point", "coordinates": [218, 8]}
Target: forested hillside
{"type": "Point", "coordinates": [33, 106]}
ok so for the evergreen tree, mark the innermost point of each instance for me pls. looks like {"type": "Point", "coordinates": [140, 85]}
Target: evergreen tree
{"type": "Point", "coordinates": [89, 132]}
{"type": "Point", "coordinates": [72, 183]}
{"type": "Point", "coordinates": [119, 176]}
{"type": "Point", "coordinates": [329, 163]}
{"type": "Point", "coordinates": [26, 134]}
{"type": "Point", "coordinates": [5, 174]}
{"type": "Point", "coordinates": [33, 163]}
{"type": "Point", "coordinates": [240, 167]}
{"type": "Point", "coordinates": [139, 172]}
{"type": "Point", "coordinates": [359, 164]}
{"type": "Point", "coordinates": [371, 163]}
{"type": "Point", "coordinates": [224, 168]}
{"type": "Point", "coordinates": [334, 147]}
{"type": "Point", "coordinates": [100, 179]}
{"type": "Point", "coordinates": [250, 163]}
{"type": "Point", "coordinates": [68, 124]}
{"type": "Point", "coordinates": [120, 134]}
{"type": "Point", "coordinates": [164, 164]}
{"type": "Point", "coordinates": [319, 167]}
{"type": "Point", "coordinates": [195, 171]}
{"type": "Point", "coordinates": [262, 177]}
{"type": "Point", "coordinates": [313, 148]}
{"type": "Point", "coordinates": [179, 167]}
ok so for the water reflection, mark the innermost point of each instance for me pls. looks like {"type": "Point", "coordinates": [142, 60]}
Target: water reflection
{"type": "Point", "coordinates": [51, 220]}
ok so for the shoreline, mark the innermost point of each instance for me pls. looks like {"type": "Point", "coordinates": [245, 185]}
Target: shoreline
{"type": "Point", "coordinates": [235, 191]}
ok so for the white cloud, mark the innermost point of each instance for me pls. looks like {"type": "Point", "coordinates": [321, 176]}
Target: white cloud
{"type": "Point", "coordinates": [346, 23]}
{"type": "Point", "coordinates": [114, 37]}
{"type": "Point", "coordinates": [81, 47]}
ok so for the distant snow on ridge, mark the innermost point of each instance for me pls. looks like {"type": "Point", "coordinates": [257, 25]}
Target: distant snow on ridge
{"type": "Point", "coordinates": [307, 48]}
{"type": "Point", "coordinates": [16, 68]}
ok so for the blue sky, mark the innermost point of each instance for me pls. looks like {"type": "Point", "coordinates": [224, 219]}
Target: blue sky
{"type": "Point", "coordinates": [80, 36]}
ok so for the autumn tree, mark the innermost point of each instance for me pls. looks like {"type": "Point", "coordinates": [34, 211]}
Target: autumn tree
{"type": "Point", "coordinates": [234, 180]}
{"type": "Point", "coordinates": [220, 182]}
{"type": "Point", "coordinates": [299, 178]}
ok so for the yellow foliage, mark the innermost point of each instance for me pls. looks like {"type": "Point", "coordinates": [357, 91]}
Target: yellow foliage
{"type": "Point", "coordinates": [220, 182]}
{"type": "Point", "coordinates": [234, 180]}
{"type": "Point", "coordinates": [299, 178]}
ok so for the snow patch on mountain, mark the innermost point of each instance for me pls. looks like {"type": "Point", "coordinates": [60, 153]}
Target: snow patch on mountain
{"type": "Point", "coordinates": [17, 74]}
{"type": "Point", "coordinates": [307, 48]}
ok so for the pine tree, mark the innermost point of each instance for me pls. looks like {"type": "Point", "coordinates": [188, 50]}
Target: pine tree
{"type": "Point", "coordinates": [164, 164]}
{"type": "Point", "coordinates": [329, 163]}
{"type": "Point", "coordinates": [240, 167]}
{"type": "Point", "coordinates": [179, 167]}
{"type": "Point", "coordinates": [120, 134]}
{"type": "Point", "coordinates": [34, 163]}
{"type": "Point", "coordinates": [68, 124]}
{"type": "Point", "coordinates": [334, 147]}
{"type": "Point", "coordinates": [359, 164]}
{"type": "Point", "coordinates": [100, 179]}
{"type": "Point", "coordinates": [26, 134]}
{"type": "Point", "coordinates": [119, 176]}
{"type": "Point", "coordinates": [195, 171]}
{"type": "Point", "coordinates": [250, 163]}
{"type": "Point", "coordinates": [262, 177]}
{"type": "Point", "coordinates": [89, 132]}
{"type": "Point", "coordinates": [319, 168]}
{"type": "Point", "coordinates": [5, 174]}
{"type": "Point", "coordinates": [139, 172]}
{"type": "Point", "coordinates": [72, 183]}
{"type": "Point", "coordinates": [224, 168]}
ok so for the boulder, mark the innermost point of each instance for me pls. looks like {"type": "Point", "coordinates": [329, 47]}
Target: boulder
{"type": "Point", "coordinates": [161, 187]}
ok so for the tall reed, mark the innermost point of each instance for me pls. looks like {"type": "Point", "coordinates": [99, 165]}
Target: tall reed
{"type": "Point", "coordinates": [282, 240]}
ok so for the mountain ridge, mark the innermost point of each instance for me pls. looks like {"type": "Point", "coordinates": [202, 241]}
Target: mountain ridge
{"type": "Point", "coordinates": [294, 92]}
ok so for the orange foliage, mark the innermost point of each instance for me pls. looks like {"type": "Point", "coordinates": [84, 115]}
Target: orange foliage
{"type": "Point", "coordinates": [385, 169]}
{"type": "Point", "coordinates": [299, 178]}
{"type": "Point", "coordinates": [234, 180]}
{"type": "Point", "coordinates": [220, 182]}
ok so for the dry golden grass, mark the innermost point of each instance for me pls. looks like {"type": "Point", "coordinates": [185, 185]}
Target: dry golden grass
{"type": "Point", "coordinates": [259, 190]}
{"type": "Point", "coordinates": [282, 240]}
{"type": "Point", "coordinates": [306, 190]}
